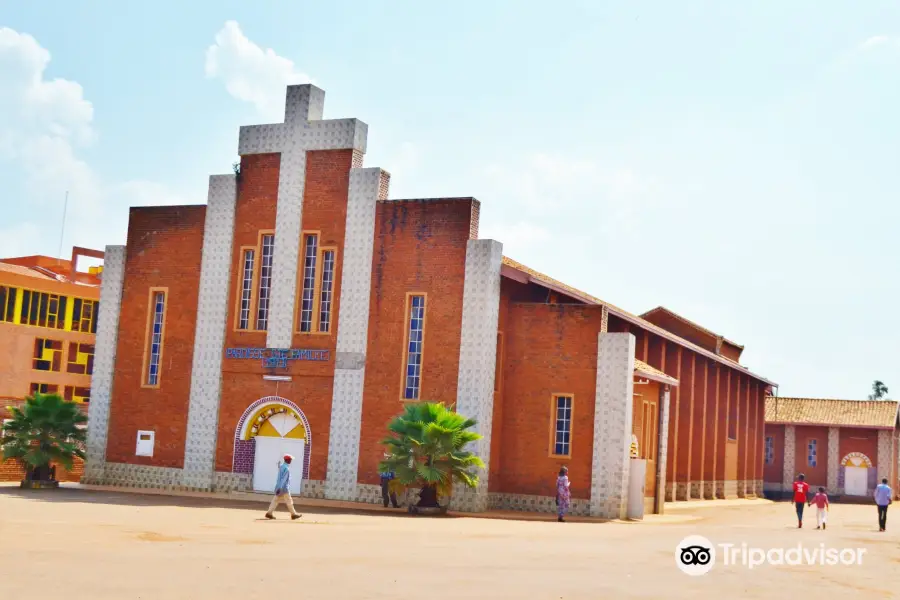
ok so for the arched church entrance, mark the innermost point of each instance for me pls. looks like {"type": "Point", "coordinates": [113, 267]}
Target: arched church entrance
{"type": "Point", "coordinates": [270, 428]}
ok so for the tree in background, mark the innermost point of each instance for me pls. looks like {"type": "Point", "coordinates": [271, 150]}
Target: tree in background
{"type": "Point", "coordinates": [45, 431]}
{"type": "Point", "coordinates": [427, 451]}
{"type": "Point", "coordinates": [879, 391]}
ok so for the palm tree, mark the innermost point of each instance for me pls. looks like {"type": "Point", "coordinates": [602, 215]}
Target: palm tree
{"type": "Point", "coordinates": [426, 451]}
{"type": "Point", "coordinates": [879, 391]}
{"type": "Point", "coordinates": [43, 432]}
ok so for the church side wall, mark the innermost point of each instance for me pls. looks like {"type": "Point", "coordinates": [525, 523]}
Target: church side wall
{"type": "Point", "coordinates": [163, 251]}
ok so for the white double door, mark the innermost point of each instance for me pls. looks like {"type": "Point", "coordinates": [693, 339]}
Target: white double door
{"type": "Point", "coordinates": [856, 481]}
{"type": "Point", "coordinates": [270, 453]}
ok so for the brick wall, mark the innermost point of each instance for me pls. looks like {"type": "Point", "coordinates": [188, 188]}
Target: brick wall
{"type": "Point", "coordinates": [420, 246]}
{"type": "Point", "coordinates": [775, 472]}
{"type": "Point", "coordinates": [854, 439]}
{"type": "Point", "coordinates": [163, 250]}
{"type": "Point", "coordinates": [549, 349]}
{"type": "Point", "coordinates": [818, 475]}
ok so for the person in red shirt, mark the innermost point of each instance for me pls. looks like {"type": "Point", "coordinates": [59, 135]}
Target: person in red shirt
{"type": "Point", "coordinates": [821, 502]}
{"type": "Point", "coordinates": [801, 497]}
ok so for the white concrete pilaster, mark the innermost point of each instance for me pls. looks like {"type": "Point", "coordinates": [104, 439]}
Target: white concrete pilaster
{"type": "Point", "coordinates": [613, 408]}
{"type": "Point", "coordinates": [834, 442]}
{"type": "Point", "coordinates": [209, 336]}
{"type": "Point", "coordinates": [477, 359]}
{"type": "Point", "coordinates": [352, 335]}
{"type": "Point", "coordinates": [884, 456]}
{"type": "Point", "coordinates": [663, 449]}
{"type": "Point", "coordinates": [790, 460]}
{"type": "Point", "coordinates": [106, 344]}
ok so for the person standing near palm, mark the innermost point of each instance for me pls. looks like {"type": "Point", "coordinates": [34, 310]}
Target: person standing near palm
{"type": "Point", "coordinates": [283, 490]}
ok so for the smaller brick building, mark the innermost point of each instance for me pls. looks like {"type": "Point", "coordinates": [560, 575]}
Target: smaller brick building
{"type": "Point", "coordinates": [847, 446]}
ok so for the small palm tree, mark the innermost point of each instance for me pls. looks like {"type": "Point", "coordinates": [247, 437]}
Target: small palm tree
{"type": "Point", "coordinates": [426, 451]}
{"type": "Point", "coordinates": [42, 432]}
{"type": "Point", "coordinates": [879, 391]}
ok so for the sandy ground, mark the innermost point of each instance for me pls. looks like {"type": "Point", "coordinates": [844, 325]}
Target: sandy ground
{"type": "Point", "coordinates": [75, 543]}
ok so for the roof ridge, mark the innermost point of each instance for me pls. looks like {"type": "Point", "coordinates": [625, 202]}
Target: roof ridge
{"type": "Point", "coordinates": [684, 319]}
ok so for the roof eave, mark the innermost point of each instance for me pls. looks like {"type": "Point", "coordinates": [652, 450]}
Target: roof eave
{"type": "Point", "coordinates": [806, 424]}
{"type": "Point", "coordinates": [664, 379]}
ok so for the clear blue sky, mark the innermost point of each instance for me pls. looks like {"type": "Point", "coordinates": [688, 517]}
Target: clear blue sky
{"type": "Point", "coordinates": [735, 162]}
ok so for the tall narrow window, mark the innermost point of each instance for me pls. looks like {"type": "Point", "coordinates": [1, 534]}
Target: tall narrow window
{"type": "Point", "coordinates": [265, 281]}
{"type": "Point", "coordinates": [414, 336]}
{"type": "Point", "coordinates": [307, 299]}
{"type": "Point", "coordinates": [246, 289]}
{"type": "Point", "coordinates": [812, 455]}
{"type": "Point", "coordinates": [155, 337]}
{"type": "Point", "coordinates": [25, 311]}
{"type": "Point", "coordinates": [7, 303]}
{"type": "Point", "coordinates": [770, 450]}
{"type": "Point", "coordinates": [327, 291]}
{"type": "Point", "coordinates": [84, 315]}
{"type": "Point", "coordinates": [498, 364]}
{"type": "Point", "coordinates": [562, 426]}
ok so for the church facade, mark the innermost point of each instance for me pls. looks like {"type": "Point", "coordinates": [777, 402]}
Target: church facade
{"type": "Point", "coordinates": [300, 308]}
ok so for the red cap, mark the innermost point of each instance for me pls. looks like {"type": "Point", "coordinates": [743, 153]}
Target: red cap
{"type": "Point", "coordinates": [288, 457]}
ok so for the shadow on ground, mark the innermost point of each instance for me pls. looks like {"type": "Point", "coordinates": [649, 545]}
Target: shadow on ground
{"type": "Point", "coordinates": [64, 495]}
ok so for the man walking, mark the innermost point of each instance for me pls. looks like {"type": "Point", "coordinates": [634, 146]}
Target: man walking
{"type": "Point", "coordinates": [283, 489]}
{"type": "Point", "coordinates": [801, 497]}
{"type": "Point", "coordinates": [883, 499]}
{"type": "Point", "coordinates": [386, 493]}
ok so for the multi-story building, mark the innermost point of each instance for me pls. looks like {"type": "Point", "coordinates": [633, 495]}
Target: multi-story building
{"type": "Point", "coordinates": [48, 322]}
{"type": "Point", "coordinates": [300, 308]}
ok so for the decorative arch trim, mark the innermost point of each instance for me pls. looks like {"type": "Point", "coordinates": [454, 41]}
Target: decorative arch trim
{"type": "Point", "coordinates": [856, 457]}
{"type": "Point", "coordinates": [255, 421]}
{"type": "Point", "coordinates": [245, 449]}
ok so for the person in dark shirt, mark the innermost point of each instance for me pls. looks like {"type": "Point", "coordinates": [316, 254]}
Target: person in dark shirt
{"type": "Point", "coordinates": [386, 492]}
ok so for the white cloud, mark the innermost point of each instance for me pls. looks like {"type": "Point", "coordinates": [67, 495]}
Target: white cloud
{"type": "Point", "coordinates": [43, 125]}
{"type": "Point", "coordinates": [874, 41]}
{"type": "Point", "coordinates": [546, 184]}
{"type": "Point", "coordinates": [552, 209]}
{"type": "Point", "coordinates": [250, 73]}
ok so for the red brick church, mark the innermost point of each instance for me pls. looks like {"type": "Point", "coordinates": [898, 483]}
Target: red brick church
{"type": "Point", "coordinates": [301, 307]}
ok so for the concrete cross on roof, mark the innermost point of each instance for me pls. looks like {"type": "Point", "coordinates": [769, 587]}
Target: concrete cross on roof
{"type": "Point", "coordinates": [303, 130]}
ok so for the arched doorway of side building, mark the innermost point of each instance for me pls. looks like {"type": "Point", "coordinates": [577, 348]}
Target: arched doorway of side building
{"type": "Point", "coordinates": [270, 428]}
{"type": "Point", "coordinates": [858, 474]}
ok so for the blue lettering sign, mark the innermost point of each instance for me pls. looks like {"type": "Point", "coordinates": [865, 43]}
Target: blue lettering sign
{"type": "Point", "coordinates": [277, 358]}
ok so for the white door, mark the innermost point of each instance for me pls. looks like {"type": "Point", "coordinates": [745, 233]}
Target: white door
{"type": "Point", "coordinates": [855, 481]}
{"type": "Point", "coordinates": [270, 452]}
